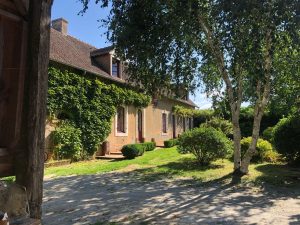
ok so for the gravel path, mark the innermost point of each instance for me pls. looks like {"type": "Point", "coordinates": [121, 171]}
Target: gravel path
{"type": "Point", "coordinates": [125, 198]}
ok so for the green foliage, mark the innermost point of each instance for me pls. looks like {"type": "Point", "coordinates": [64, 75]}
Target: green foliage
{"type": "Point", "coordinates": [287, 138]}
{"type": "Point", "coordinates": [89, 104]}
{"type": "Point", "coordinates": [149, 146]}
{"type": "Point", "coordinates": [133, 150]}
{"type": "Point", "coordinates": [220, 124]}
{"type": "Point", "coordinates": [246, 120]}
{"type": "Point", "coordinates": [185, 112]}
{"type": "Point", "coordinates": [286, 85]}
{"type": "Point", "coordinates": [268, 134]}
{"type": "Point", "coordinates": [207, 144]}
{"type": "Point", "coordinates": [170, 143]}
{"type": "Point", "coordinates": [199, 115]}
{"type": "Point", "coordinates": [67, 141]}
{"type": "Point", "coordinates": [264, 151]}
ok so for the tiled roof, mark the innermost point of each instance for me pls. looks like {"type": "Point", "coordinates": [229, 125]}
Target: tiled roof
{"type": "Point", "coordinates": [102, 51]}
{"type": "Point", "coordinates": [72, 52]}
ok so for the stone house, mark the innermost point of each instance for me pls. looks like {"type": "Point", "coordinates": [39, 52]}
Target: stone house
{"type": "Point", "coordinates": [130, 125]}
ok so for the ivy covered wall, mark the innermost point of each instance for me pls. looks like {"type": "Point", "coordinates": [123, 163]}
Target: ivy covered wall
{"type": "Point", "coordinates": [88, 104]}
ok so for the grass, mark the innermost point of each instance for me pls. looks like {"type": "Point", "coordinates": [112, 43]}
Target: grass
{"type": "Point", "coordinates": [152, 158]}
{"type": "Point", "coordinates": [168, 163]}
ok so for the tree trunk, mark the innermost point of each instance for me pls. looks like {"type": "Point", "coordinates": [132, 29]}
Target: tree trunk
{"type": "Point", "coordinates": [261, 103]}
{"type": "Point", "coordinates": [35, 103]}
{"type": "Point", "coordinates": [236, 142]}
{"type": "Point", "coordinates": [255, 135]}
{"type": "Point", "coordinates": [235, 101]}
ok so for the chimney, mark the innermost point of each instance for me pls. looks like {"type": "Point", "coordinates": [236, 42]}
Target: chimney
{"type": "Point", "coordinates": [60, 25]}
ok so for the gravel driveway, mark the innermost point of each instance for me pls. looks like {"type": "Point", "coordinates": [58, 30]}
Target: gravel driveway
{"type": "Point", "coordinates": [126, 198]}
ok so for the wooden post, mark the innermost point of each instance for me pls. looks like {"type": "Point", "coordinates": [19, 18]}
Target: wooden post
{"type": "Point", "coordinates": [34, 111]}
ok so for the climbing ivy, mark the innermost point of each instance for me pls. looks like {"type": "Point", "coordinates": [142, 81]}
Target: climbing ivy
{"type": "Point", "coordinates": [89, 104]}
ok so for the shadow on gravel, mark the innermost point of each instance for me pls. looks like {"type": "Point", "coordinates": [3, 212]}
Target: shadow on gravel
{"type": "Point", "coordinates": [145, 196]}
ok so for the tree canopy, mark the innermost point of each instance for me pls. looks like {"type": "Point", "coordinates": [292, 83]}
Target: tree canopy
{"type": "Point", "coordinates": [232, 45]}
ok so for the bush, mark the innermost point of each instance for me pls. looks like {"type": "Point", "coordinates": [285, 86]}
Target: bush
{"type": "Point", "coordinates": [149, 146]}
{"type": "Point", "coordinates": [207, 144]}
{"type": "Point", "coordinates": [286, 136]}
{"type": "Point", "coordinates": [264, 149]}
{"type": "Point", "coordinates": [220, 124]}
{"type": "Point", "coordinates": [134, 150]}
{"type": "Point", "coordinates": [246, 120]}
{"type": "Point", "coordinates": [268, 134]}
{"type": "Point", "coordinates": [67, 141]}
{"type": "Point", "coordinates": [170, 143]}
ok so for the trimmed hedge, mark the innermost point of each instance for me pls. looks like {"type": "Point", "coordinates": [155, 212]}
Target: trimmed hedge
{"type": "Point", "coordinates": [170, 143]}
{"type": "Point", "coordinates": [134, 150]}
{"type": "Point", "coordinates": [286, 137]}
{"type": "Point", "coordinates": [149, 146]}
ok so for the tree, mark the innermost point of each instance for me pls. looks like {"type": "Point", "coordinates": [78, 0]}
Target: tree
{"type": "Point", "coordinates": [224, 44]}
{"type": "Point", "coordinates": [286, 86]}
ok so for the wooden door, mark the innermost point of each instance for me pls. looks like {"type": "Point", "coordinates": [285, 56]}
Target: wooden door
{"type": "Point", "coordinates": [12, 70]}
{"type": "Point", "coordinates": [174, 125]}
{"type": "Point", "coordinates": [140, 126]}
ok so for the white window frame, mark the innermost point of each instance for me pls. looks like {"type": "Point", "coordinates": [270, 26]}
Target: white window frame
{"type": "Point", "coordinates": [122, 134]}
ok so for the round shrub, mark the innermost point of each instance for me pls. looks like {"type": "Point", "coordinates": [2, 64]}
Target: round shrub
{"type": "Point", "coordinates": [149, 146]}
{"type": "Point", "coordinates": [133, 150]}
{"type": "Point", "coordinates": [220, 124]}
{"type": "Point", "coordinates": [264, 150]}
{"type": "Point", "coordinates": [286, 136]}
{"type": "Point", "coordinates": [67, 141]}
{"type": "Point", "coordinates": [170, 143]}
{"type": "Point", "coordinates": [207, 144]}
{"type": "Point", "coordinates": [268, 134]}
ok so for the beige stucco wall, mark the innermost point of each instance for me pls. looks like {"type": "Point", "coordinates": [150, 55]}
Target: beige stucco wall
{"type": "Point", "coordinates": [117, 141]}
{"type": "Point", "coordinates": [152, 125]}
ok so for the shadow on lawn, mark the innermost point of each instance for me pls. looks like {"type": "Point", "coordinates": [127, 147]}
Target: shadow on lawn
{"type": "Point", "coordinates": [183, 167]}
{"type": "Point", "coordinates": [279, 175]}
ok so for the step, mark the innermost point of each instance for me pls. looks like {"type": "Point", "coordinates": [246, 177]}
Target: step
{"type": "Point", "coordinates": [115, 153]}
{"type": "Point", "coordinates": [111, 156]}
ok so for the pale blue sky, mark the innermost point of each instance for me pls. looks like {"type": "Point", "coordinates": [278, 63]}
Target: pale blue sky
{"type": "Point", "coordinates": [88, 28]}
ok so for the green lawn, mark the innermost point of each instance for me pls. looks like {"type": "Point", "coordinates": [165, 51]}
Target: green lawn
{"type": "Point", "coordinates": [168, 163]}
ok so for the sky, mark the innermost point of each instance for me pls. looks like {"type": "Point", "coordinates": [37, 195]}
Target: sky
{"type": "Point", "coordinates": [88, 28]}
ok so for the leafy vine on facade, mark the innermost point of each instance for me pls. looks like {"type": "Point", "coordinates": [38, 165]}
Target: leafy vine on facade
{"type": "Point", "coordinates": [89, 104]}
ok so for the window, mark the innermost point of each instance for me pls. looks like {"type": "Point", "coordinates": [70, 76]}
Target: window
{"type": "Point", "coordinates": [121, 120]}
{"type": "Point", "coordinates": [115, 70]}
{"type": "Point", "coordinates": [184, 124]}
{"type": "Point", "coordinates": [164, 123]}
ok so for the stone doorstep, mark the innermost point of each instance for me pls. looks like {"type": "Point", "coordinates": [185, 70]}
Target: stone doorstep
{"type": "Point", "coordinates": [112, 155]}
